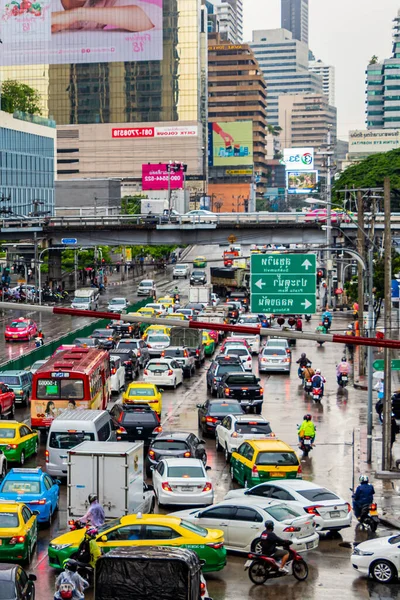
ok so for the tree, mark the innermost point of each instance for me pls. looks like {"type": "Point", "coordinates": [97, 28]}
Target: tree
{"type": "Point", "coordinates": [16, 96]}
{"type": "Point", "coordinates": [374, 60]}
{"type": "Point", "coordinates": [131, 205]}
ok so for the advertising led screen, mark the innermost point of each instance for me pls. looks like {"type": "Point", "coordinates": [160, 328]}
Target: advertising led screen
{"type": "Point", "coordinates": [299, 159]}
{"type": "Point", "coordinates": [231, 144]}
{"type": "Point", "coordinates": [155, 177]}
{"type": "Point", "coordinates": [301, 182]}
{"type": "Point", "coordinates": [76, 31]}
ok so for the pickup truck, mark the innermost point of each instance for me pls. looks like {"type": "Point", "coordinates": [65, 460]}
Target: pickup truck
{"type": "Point", "coordinates": [244, 387]}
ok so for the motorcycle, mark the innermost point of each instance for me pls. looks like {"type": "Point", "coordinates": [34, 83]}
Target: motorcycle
{"type": "Point", "coordinates": [75, 524]}
{"type": "Point", "coordinates": [307, 386]}
{"type": "Point", "coordinates": [65, 591]}
{"type": "Point", "coordinates": [261, 568]}
{"type": "Point", "coordinates": [306, 445]}
{"type": "Point", "coordinates": [369, 518]}
{"type": "Point", "coordinates": [317, 394]}
{"type": "Point", "coordinates": [307, 318]}
{"type": "Point", "coordinates": [38, 342]}
{"type": "Point", "coordinates": [343, 380]}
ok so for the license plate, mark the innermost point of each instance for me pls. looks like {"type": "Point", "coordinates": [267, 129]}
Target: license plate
{"type": "Point", "coordinates": [247, 564]}
{"type": "Point", "coordinates": [186, 488]}
{"type": "Point", "coordinates": [344, 378]}
{"type": "Point", "coordinates": [310, 545]}
{"type": "Point", "coordinates": [307, 442]}
{"type": "Point", "coordinates": [277, 474]}
{"type": "Point", "coordinates": [334, 514]}
{"type": "Point", "coordinates": [15, 336]}
{"type": "Point", "coordinates": [158, 373]}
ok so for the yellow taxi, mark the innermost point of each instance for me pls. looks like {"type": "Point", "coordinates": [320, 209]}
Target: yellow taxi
{"type": "Point", "coordinates": [178, 316]}
{"type": "Point", "coordinates": [147, 311]}
{"type": "Point", "coordinates": [18, 441]}
{"type": "Point", "coordinates": [18, 532]}
{"type": "Point", "coordinates": [146, 530]}
{"type": "Point", "coordinates": [256, 461]}
{"type": "Point", "coordinates": [139, 393]}
{"type": "Point", "coordinates": [156, 329]}
{"type": "Point", "coordinates": [200, 262]}
{"type": "Point", "coordinates": [167, 301]}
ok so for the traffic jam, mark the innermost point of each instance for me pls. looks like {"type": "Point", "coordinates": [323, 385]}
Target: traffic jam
{"type": "Point", "coordinates": [146, 460]}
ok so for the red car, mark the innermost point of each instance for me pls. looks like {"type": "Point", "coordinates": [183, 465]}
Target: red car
{"type": "Point", "coordinates": [234, 342]}
{"type": "Point", "coordinates": [21, 329]}
{"type": "Point", "coordinates": [7, 401]}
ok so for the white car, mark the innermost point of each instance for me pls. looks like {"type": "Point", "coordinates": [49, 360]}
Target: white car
{"type": "Point", "coordinates": [147, 287]}
{"type": "Point", "coordinates": [159, 308]}
{"type": "Point", "coordinates": [36, 365]}
{"type": "Point", "coordinates": [279, 343]}
{"type": "Point", "coordinates": [149, 500]}
{"type": "Point", "coordinates": [235, 429]}
{"type": "Point", "coordinates": [253, 341]}
{"type": "Point", "coordinates": [379, 558]}
{"type": "Point", "coordinates": [243, 522]}
{"type": "Point", "coordinates": [117, 305]}
{"type": "Point", "coordinates": [182, 270]}
{"type": "Point", "coordinates": [156, 343]}
{"type": "Point", "coordinates": [199, 215]}
{"type": "Point", "coordinates": [242, 352]}
{"type": "Point", "coordinates": [117, 378]}
{"type": "Point", "coordinates": [182, 481]}
{"type": "Point", "coordinates": [274, 359]}
{"type": "Point", "coordinates": [331, 512]}
{"type": "Point", "coordinates": [165, 371]}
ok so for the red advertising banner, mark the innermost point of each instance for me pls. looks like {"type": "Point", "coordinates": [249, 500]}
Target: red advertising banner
{"type": "Point", "coordinates": [155, 177]}
{"type": "Point", "coordinates": [151, 132]}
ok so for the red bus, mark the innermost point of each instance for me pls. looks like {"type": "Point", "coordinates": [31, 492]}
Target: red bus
{"type": "Point", "coordinates": [71, 379]}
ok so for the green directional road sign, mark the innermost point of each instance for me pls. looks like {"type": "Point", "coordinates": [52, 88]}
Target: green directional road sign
{"type": "Point", "coordinates": [283, 283]}
{"type": "Point", "coordinates": [379, 365]}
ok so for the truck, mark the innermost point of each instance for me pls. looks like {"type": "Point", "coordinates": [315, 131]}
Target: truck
{"type": "Point", "coordinates": [229, 256]}
{"type": "Point", "coordinates": [86, 299]}
{"type": "Point", "coordinates": [225, 280]}
{"type": "Point", "coordinates": [111, 470]}
{"type": "Point", "coordinates": [192, 339]}
{"type": "Point", "coordinates": [200, 295]}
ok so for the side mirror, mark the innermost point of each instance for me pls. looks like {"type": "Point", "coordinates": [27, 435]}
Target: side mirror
{"type": "Point", "coordinates": [103, 538]}
{"type": "Point", "coordinates": [36, 512]}
{"type": "Point", "coordinates": [57, 481]}
{"type": "Point", "coordinates": [258, 380]}
{"type": "Point", "coordinates": [202, 442]}
{"type": "Point", "coordinates": [32, 577]}
{"type": "Point", "coordinates": [208, 468]}
{"type": "Point", "coordinates": [160, 389]}
{"type": "Point", "coordinates": [150, 488]}
{"type": "Point", "coordinates": [199, 405]}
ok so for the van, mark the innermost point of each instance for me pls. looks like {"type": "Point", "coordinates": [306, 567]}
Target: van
{"type": "Point", "coordinates": [181, 270]}
{"type": "Point", "coordinates": [86, 299]}
{"type": "Point", "coordinates": [21, 384]}
{"type": "Point", "coordinates": [71, 428]}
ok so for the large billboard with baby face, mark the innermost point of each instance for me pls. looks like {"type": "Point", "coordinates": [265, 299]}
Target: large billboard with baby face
{"type": "Point", "coordinates": [80, 31]}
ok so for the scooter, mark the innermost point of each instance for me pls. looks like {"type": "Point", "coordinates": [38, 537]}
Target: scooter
{"type": "Point", "coordinates": [369, 518]}
{"type": "Point", "coordinates": [317, 394]}
{"type": "Point", "coordinates": [306, 445]}
{"type": "Point", "coordinates": [307, 386]}
{"type": "Point", "coordinates": [307, 318]}
{"type": "Point", "coordinates": [65, 591]}
{"type": "Point", "coordinates": [343, 380]}
{"type": "Point", "coordinates": [261, 568]}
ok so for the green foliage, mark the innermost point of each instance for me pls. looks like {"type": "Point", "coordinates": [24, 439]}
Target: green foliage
{"type": "Point", "coordinates": [379, 277]}
{"type": "Point", "coordinates": [374, 60]}
{"type": "Point", "coordinates": [16, 96]}
{"type": "Point", "coordinates": [130, 205]}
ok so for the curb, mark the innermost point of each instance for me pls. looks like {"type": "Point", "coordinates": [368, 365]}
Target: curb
{"type": "Point", "coordinates": [389, 522]}
{"type": "Point", "coordinates": [360, 386]}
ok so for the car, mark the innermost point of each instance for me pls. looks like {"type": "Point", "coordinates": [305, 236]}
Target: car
{"type": "Point", "coordinates": [244, 387]}
{"type": "Point", "coordinates": [189, 313]}
{"type": "Point", "coordinates": [242, 352]}
{"type": "Point", "coordinates": [117, 377]}
{"type": "Point", "coordinates": [86, 342]}
{"type": "Point", "coordinates": [320, 215]}
{"type": "Point", "coordinates": [243, 523]}
{"type": "Point", "coordinates": [250, 319]}
{"type": "Point", "coordinates": [36, 365]}
{"type": "Point", "coordinates": [107, 338]}
{"type": "Point", "coordinates": [176, 316]}
{"type": "Point", "coordinates": [123, 329]}
{"type": "Point", "coordinates": [198, 216]}
{"type": "Point", "coordinates": [240, 307]}
{"type": "Point", "coordinates": [208, 343]}
{"type": "Point", "coordinates": [3, 464]}
{"type": "Point", "coordinates": [221, 365]}
{"type": "Point", "coordinates": [378, 558]}
{"type": "Point", "coordinates": [253, 341]}
{"type": "Point", "coordinates": [18, 441]}
{"type": "Point", "coordinates": [117, 305]}
{"type": "Point", "coordinates": [158, 308]}
{"type": "Point", "coordinates": [156, 343]}
{"type": "Point", "coordinates": [7, 402]}
{"type": "Point", "coordinates": [242, 297]}
{"type": "Point", "coordinates": [147, 287]}
{"type": "Point", "coordinates": [18, 532]}
{"type": "Point", "coordinates": [273, 342]}
{"type": "Point", "coordinates": [138, 346]}
{"type": "Point", "coordinates": [235, 429]}
{"type": "Point", "coordinates": [35, 488]}
{"type": "Point", "coordinates": [183, 357]}
{"type": "Point", "coordinates": [212, 412]}
{"type": "Point", "coordinates": [128, 360]}
{"type": "Point", "coordinates": [151, 329]}
{"type": "Point", "coordinates": [181, 270]}
{"type": "Point", "coordinates": [273, 359]}
{"type": "Point", "coordinates": [15, 583]}
{"type": "Point", "coordinates": [198, 278]}
{"type": "Point", "coordinates": [256, 461]}
{"type": "Point", "coordinates": [146, 530]}
{"type": "Point", "coordinates": [182, 481]}
{"type": "Point", "coordinates": [143, 392]}
{"type": "Point", "coordinates": [175, 444]}
{"type": "Point", "coordinates": [233, 312]}
{"type": "Point", "coordinates": [163, 371]}
{"type": "Point", "coordinates": [147, 311]}
{"type": "Point", "coordinates": [20, 382]}
{"type": "Point", "coordinates": [196, 307]}
{"type": "Point", "coordinates": [200, 262]}
{"type": "Point", "coordinates": [20, 329]}
{"type": "Point", "coordinates": [331, 513]}
{"type": "Point", "coordinates": [136, 422]}
{"type": "Point", "coordinates": [166, 301]}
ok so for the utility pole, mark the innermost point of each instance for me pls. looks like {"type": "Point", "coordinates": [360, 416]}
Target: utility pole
{"type": "Point", "coordinates": [329, 263]}
{"type": "Point", "coordinates": [387, 404]}
{"type": "Point", "coordinates": [361, 250]}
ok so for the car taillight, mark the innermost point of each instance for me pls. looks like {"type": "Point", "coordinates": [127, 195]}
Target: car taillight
{"type": "Point", "coordinates": [157, 429]}
{"type": "Point", "coordinates": [202, 588]}
{"type": "Point", "coordinates": [313, 510]}
{"type": "Point", "coordinates": [286, 360]}
{"type": "Point", "coordinates": [248, 358]}
{"type": "Point", "coordinates": [216, 545]}
{"type": "Point", "coordinates": [37, 502]}
{"type": "Point", "coordinates": [121, 430]}
{"type": "Point", "coordinates": [148, 345]}
{"type": "Point", "coordinates": [130, 329]}
{"type": "Point", "coordinates": [113, 371]}
{"type": "Point", "coordinates": [299, 472]}
{"type": "Point", "coordinates": [207, 487]}
{"type": "Point", "coordinates": [20, 539]}
{"type": "Point", "coordinates": [127, 362]}
{"type": "Point", "coordinates": [234, 434]}
{"type": "Point", "coordinates": [254, 471]}
{"type": "Point", "coordinates": [291, 529]}
{"type": "Point", "coordinates": [186, 455]}
{"type": "Point", "coordinates": [166, 487]}
{"type": "Point", "coordinates": [211, 419]}
{"type": "Point", "coordinates": [185, 353]}
{"type": "Point", "coordinates": [261, 391]}
{"type": "Point", "coordinates": [145, 372]}
{"type": "Point", "coordinates": [349, 507]}
{"type": "Point", "coordinates": [170, 372]}
{"type": "Point", "coordinates": [287, 350]}
{"type": "Point", "coordinates": [139, 354]}
{"type": "Point", "coordinates": [163, 353]}
{"type": "Point", "coordinates": [372, 506]}
{"type": "Point", "coordinates": [227, 391]}
{"type": "Point", "coordinates": [152, 454]}
{"type": "Point", "coordinates": [46, 455]}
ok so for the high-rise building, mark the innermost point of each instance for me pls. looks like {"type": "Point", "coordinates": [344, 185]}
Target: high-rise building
{"type": "Point", "coordinates": [327, 72]}
{"type": "Point", "coordinates": [383, 87]}
{"type": "Point", "coordinates": [284, 63]}
{"type": "Point", "coordinates": [294, 18]}
{"type": "Point", "coordinates": [230, 17]}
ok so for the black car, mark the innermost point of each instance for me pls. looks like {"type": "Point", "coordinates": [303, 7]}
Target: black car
{"type": "Point", "coordinates": [178, 444]}
{"type": "Point", "coordinates": [196, 307]}
{"type": "Point", "coordinates": [211, 413]}
{"type": "Point", "coordinates": [15, 583]}
{"type": "Point", "coordinates": [129, 360]}
{"type": "Point", "coordinates": [242, 297]}
{"type": "Point", "coordinates": [198, 277]}
{"type": "Point", "coordinates": [107, 338]}
{"type": "Point", "coordinates": [244, 387]}
{"type": "Point", "coordinates": [233, 313]}
{"type": "Point", "coordinates": [136, 422]}
{"type": "Point", "coordinates": [86, 342]}
{"type": "Point", "coordinates": [124, 330]}
{"type": "Point", "coordinates": [139, 347]}
{"type": "Point", "coordinates": [221, 365]}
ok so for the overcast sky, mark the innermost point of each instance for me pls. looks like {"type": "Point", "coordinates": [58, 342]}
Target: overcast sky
{"type": "Point", "coordinates": [344, 33]}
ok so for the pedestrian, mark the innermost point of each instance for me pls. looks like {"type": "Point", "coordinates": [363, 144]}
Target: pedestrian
{"type": "Point", "coordinates": [394, 429]}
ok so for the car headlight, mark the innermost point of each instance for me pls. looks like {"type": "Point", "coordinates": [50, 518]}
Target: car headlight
{"type": "Point", "coordinates": [60, 546]}
{"type": "Point", "coordinates": [359, 552]}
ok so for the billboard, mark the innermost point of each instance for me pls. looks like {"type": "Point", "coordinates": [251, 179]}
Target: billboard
{"type": "Point", "coordinates": [370, 142]}
{"type": "Point", "coordinates": [299, 159]}
{"type": "Point", "coordinates": [151, 132]}
{"type": "Point", "coordinates": [155, 177]}
{"type": "Point", "coordinates": [63, 31]}
{"type": "Point", "coordinates": [231, 144]}
{"type": "Point", "coordinates": [301, 182]}
{"type": "Point", "coordinates": [229, 197]}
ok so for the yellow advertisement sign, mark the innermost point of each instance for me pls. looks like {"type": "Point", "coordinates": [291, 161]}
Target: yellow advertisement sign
{"type": "Point", "coordinates": [239, 171]}
{"type": "Point", "coordinates": [128, 254]}
{"type": "Point", "coordinates": [232, 143]}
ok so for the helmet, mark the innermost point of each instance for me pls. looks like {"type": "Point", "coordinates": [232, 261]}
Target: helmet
{"type": "Point", "coordinates": [344, 359]}
{"type": "Point", "coordinates": [91, 532]}
{"type": "Point", "coordinates": [71, 565]}
{"type": "Point", "coordinates": [269, 525]}
{"type": "Point", "coordinates": [318, 371]}
{"type": "Point", "coordinates": [303, 355]}
{"type": "Point", "coordinates": [92, 498]}
{"type": "Point", "coordinates": [307, 417]}
{"type": "Point", "coordinates": [350, 327]}
{"type": "Point", "coordinates": [364, 479]}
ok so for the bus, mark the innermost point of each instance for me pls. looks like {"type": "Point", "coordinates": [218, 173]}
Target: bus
{"type": "Point", "coordinates": [78, 378]}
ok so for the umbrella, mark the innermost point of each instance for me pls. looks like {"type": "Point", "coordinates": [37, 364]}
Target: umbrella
{"type": "Point", "coordinates": [379, 375]}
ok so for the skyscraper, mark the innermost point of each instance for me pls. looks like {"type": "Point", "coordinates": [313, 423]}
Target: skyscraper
{"type": "Point", "coordinates": [294, 17]}
{"type": "Point", "coordinates": [327, 73]}
{"type": "Point", "coordinates": [230, 18]}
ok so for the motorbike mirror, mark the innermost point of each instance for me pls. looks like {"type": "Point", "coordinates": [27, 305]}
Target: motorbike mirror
{"type": "Point", "coordinates": [32, 577]}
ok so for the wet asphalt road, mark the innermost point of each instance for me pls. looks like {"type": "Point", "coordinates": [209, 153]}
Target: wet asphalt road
{"type": "Point", "coordinates": [331, 464]}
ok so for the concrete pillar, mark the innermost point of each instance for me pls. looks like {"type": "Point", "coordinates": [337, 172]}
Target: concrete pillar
{"type": "Point", "coordinates": [55, 265]}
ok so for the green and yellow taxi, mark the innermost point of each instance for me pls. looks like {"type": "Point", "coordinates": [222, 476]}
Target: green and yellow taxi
{"type": "Point", "coordinates": [155, 329]}
{"type": "Point", "coordinates": [208, 343]}
{"type": "Point", "coordinates": [177, 316]}
{"type": "Point", "coordinates": [147, 530]}
{"type": "Point", "coordinates": [18, 532]}
{"type": "Point", "coordinates": [17, 441]}
{"type": "Point", "coordinates": [139, 393]}
{"type": "Point", "coordinates": [200, 262]}
{"type": "Point", "coordinates": [256, 461]}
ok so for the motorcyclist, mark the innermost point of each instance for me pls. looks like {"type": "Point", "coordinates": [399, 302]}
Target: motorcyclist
{"type": "Point", "coordinates": [327, 315]}
{"type": "Point", "coordinates": [308, 373]}
{"type": "Point", "coordinates": [270, 541]}
{"type": "Point", "coordinates": [307, 429]}
{"type": "Point", "coordinates": [318, 381]}
{"type": "Point", "coordinates": [343, 368]}
{"type": "Point", "coordinates": [364, 494]}
{"type": "Point", "coordinates": [95, 513]}
{"type": "Point", "coordinates": [71, 577]}
{"type": "Point", "coordinates": [88, 551]}
{"type": "Point", "coordinates": [321, 328]}
{"type": "Point", "coordinates": [302, 362]}
{"type": "Point", "coordinates": [40, 334]}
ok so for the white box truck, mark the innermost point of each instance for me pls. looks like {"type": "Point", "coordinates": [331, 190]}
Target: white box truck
{"type": "Point", "coordinates": [201, 294]}
{"type": "Point", "coordinates": [112, 470]}
{"type": "Point", "coordinates": [86, 299]}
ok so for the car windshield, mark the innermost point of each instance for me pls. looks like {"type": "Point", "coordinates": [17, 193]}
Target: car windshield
{"type": "Point", "coordinates": [222, 369]}
{"type": "Point", "coordinates": [158, 338]}
{"type": "Point", "coordinates": [317, 494]}
{"type": "Point", "coordinates": [66, 440]}
{"type": "Point", "coordinates": [143, 417]}
{"type": "Point", "coordinates": [117, 301]}
{"type": "Point", "coordinates": [281, 513]}
{"type": "Point", "coordinates": [175, 352]}
{"type": "Point", "coordinates": [7, 433]}
{"type": "Point", "coordinates": [241, 380]}
{"type": "Point", "coordinates": [253, 427]}
{"type": "Point", "coordinates": [128, 343]}
{"type": "Point", "coordinates": [9, 379]}
{"type": "Point", "coordinates": [198, 273]}
{"type": "Point", "coordinates": [277, 459]}
{"type": "Point", "coordinates": [277, 343]}
{"type": "Point", "coordinates": [225, 408]}
{"type": "Point", "coordinates": [180, 267]}
{"type": "Point", "coordinates": [19, 325]}
{"type": "Point", "coordinates": [237, 351]}
{"type": "Point", "coordinates": [274, 352]}
{"type": "Point", "coordinates": [169, 445]}
{"type": "Point", "coordinates": [12, 486]}
{"type": "Point", "coordinates": [102, 333]}
{"type": "Point", "coordinates": [7, 590]}
{"type": "Point", "coordinates": [81, 300]}
{"type": "Point", "coordinates": [8, 521]}
{"type": "Point", "coordinates": [194, 528]}
{"type": "Point", "coordinates": [158, 367]}
{"type": "Point", "coordinates": [249, 320]}
{"type": "Point", "coordinates": [84, 342]}
{"type": "Point", "coordinates": [146, 284]}
{"type": "Point", "coordinates": [59, 389]}
{"type": "Point", "coordinates": [185, 472]}
{"type": "Point", "coordinates": [141, 391]}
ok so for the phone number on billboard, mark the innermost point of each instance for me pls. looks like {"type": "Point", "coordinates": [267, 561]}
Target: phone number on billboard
{"type": "Point", "coordinates": [162, 178]}
{"type": "Point", "coordinates": [140, 132]}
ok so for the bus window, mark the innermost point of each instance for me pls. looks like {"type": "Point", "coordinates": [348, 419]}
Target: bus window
{"type": "Point", "coordinates": [59, 389]}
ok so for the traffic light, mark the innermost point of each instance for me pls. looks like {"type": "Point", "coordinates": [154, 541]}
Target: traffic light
{"type": "Point", "coordinates": [321, 274]}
